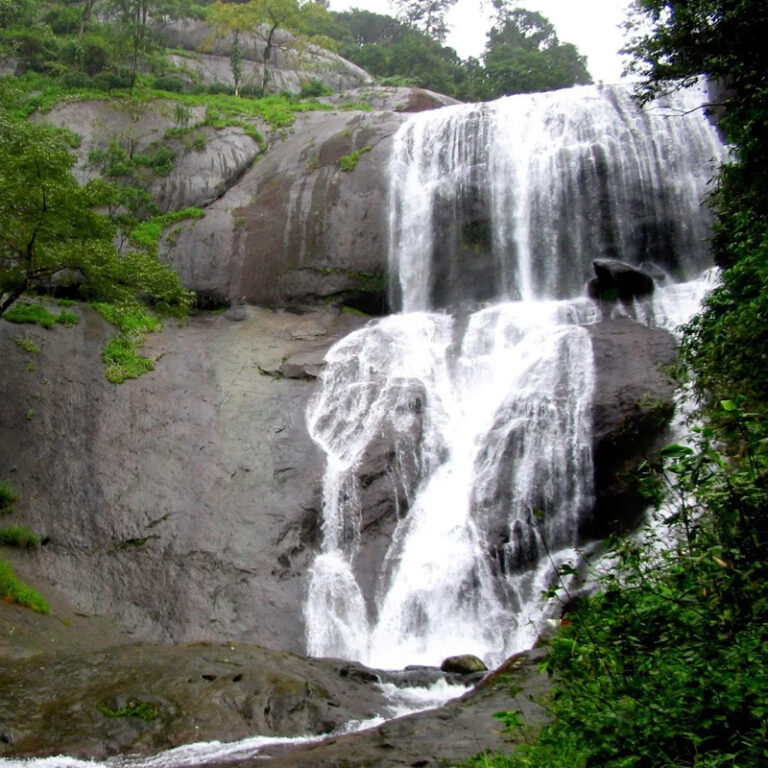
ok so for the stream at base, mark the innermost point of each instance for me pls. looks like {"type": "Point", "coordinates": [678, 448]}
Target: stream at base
{"type": "Point", "coordinates": [402, 702]}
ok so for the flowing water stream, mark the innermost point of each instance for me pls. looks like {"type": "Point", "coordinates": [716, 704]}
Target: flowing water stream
{"type": "Point", "coordinates": [478, 392]}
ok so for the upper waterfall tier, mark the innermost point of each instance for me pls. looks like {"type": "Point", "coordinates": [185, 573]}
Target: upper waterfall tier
{"type": "Point", "coordinates": [514, 199]}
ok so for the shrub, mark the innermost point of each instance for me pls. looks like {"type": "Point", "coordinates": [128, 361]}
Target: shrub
{"type": "Point", "coordinates": [173, 83]}
{"type": "Point", "coordinates": [19, 536]}
{"type": "Point", "coordinates": [348, 163]}
{"type": "Point", "coordinates": [314, 88]}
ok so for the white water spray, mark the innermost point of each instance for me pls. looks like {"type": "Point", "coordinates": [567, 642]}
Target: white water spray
{"type": "Point", "coordinates": [481, 414]}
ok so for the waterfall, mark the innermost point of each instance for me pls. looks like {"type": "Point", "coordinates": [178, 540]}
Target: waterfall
{"type": "Point", "coordinates": [458, 431]}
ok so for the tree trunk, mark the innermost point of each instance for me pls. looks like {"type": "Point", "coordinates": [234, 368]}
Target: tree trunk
{"type": "Point", "coordinates": [267, 56]}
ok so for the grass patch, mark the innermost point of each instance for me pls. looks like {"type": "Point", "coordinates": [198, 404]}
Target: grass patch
{"type": "Point", "coordinates": [24, 312]}
{"type": "Point", "coordinates": [128, 319]}
{"type": "Point", "coordinates": [148, 233]}
{"type": "Point", "coordinates": [27, 344]}
{"type": "Point", "coordinates": [12, 590]}
{"type": "Point", "coordinates": [19, 536]}
{"type": "Point", "coordinates": [349, 162]}
{"type": "Point", "coordinates": [67, 319]}
{"type": "Point", "coordinates": [120, 356]}
{"type": "Point", "coordinates": [122, 360]}
{"type": "Point", "coordinates": [7, 497]}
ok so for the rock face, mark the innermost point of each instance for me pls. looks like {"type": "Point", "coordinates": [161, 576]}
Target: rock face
{"type": "Point", "coordinates": [184, 503]}
{"type": "Point", "coordinates": [293, 228]}
{"type": "Point", "coordinates": [297, 228]}
{"type": "Point", "coordinates": [207, 161]}
{"type": "Point", "coordinates": [633, 405]}
{"type": "Point", "coordinates": [292, 63]}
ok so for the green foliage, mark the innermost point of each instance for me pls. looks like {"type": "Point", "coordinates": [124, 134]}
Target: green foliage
{"type": "Point", "coordinates": [116, 162]}
{"type": "Point", "coordinates": [12, 590]}
{"type": "Point", "coordinates": [23, 312]}
{"type": "Point", "coordinates": [122, 361]}
{"type": "Point", "coordinates": [120, 356]}
{"type": "Point", "coordinates": [19, 536]}
{"type": "Point", "coordinates": [401, 53]}
{"type": "Point", "coordinates": [426, 15]}
{"type": "Point", "coordinates": [524, 55]}
{"type": "Point", "coordinates": [67, 319]}
{"type": "Point", "coordinates": [147, 234]}
{"type": "Point", "coordinates": [264, 18]}
{"type": "Point", "coordinates": [313, 88]}
{"type": "Point", "coordinates": [50, 224]}
{"type": "Point", "coordinates": [7, 497]}
{"type": "Point", "coordinates": [349, 162]}
{"type": "Point", "coordinates": [132, 320]}
{"type": "Point", "coordinates": [144, 710]}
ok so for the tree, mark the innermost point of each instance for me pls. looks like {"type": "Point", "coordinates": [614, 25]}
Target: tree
{"type": "Point", "coordinates": [50, 224]}
{"type": "Point", "coordinates": [673, 43]}
{"type": "Point", "coordinates": [132, 19]}
{"type": "Point", "coordinates": [426, 15]}
{"type": "Point", "coordinates": [523, 54]}
{"type": "Point", "coordinates": [17, 12]}
{"type": "Point", "coordinates": [265, 18]}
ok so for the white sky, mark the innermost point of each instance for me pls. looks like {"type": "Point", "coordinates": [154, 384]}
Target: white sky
{"type": "Point", "coordinates": [592, 25]}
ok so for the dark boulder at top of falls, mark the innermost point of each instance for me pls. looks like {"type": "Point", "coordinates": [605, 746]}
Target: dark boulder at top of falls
{"type": "Point", "coordinates": [617, 280]}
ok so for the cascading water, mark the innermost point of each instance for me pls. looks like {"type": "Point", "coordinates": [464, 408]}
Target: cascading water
{"type": "Point", "coordinates": [473, 404]}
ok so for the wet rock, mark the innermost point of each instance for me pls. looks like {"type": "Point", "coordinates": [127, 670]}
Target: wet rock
{"type": "Point", "coordinates": [386, 477]}
{"type": "Point", "coordinates": [459, 729]}
{"type": "Point", "coordinates": [392, 99]}
{"type": "Point", "coordinates": [617, 280]}
{"type": "Point", "coordinates": [463, 665]}
{"type": "Point", "coordinates": [145, 698]}
{"type": "Point", "coordinates": [634, 402]}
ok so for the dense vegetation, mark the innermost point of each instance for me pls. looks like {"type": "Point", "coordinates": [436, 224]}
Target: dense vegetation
{"type": "Point", "coordinates": [114, 44]}
{"type": "Point", "coordinates": [667, 664]}
{"type": "Point", "coordinates": [523, 54]}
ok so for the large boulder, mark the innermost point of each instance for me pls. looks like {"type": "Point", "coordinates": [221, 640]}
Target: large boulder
{"type": "Point", "coordinates": [297, 228]}
{"type": "Point", "coordinates": [293, 62]}
{"type": "Point", "coordinates": [206, 161]}
{"type": "Point", "coordinates": [634, 402]}
{"type": "Point", "coordinates": [617, 280]}
{"type": "Point", "coordinates": [141, 699]}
